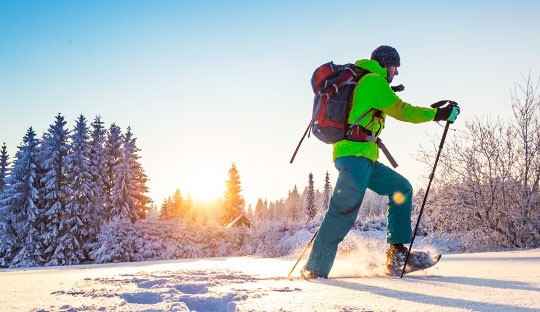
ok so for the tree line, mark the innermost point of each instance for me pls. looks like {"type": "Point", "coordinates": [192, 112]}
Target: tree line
{"type": "Point", "coordinates": [62, 187]}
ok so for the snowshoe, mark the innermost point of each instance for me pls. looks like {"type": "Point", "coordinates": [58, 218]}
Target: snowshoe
{"type": "Point", "coordinates": [418, 260]}
{"type": "Point", "coordinates": [311, 275]}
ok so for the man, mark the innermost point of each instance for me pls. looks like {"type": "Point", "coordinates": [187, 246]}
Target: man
{"type": "Point", "coordinates": [359, 169]}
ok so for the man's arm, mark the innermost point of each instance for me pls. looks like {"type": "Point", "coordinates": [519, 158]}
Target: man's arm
{"type": "Point", "coordinates": [384, 99]}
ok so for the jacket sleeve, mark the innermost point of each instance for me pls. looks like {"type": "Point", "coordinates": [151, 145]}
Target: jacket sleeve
{"type": "Point", "coordinates": [383, 98]}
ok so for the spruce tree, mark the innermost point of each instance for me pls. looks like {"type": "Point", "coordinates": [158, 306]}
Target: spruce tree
{"type": "Point", "coordinates": [293, 205]}
{"type": "Point", "coordinates": [326, 191]}
{"type": "Point", "coordinates": [21, 224]}
{"type": "Point", "coordinates": [177, 206]}
{"type": "Point", "coordinates": [128, 193]}
{"type": "Point", "coordinates": [4, 172]}
{"type": "Point", "coordinates": [98, 170]}
{"type": "Point", "coordinates": [165, 211]}
{"type": "Point", "coordinates": [189, 207]}
{"type": "Point", "coordinates": [139, 176]}
{"type": "Point", "coordinates": [78, 220]}
{"type": "Point", "coordinates": [310, 205]}
{"type": "Point", "coordinates": [113, 150]}
{"type": "Point", "coordinates": [4, 168]}
{"type": "Point", "coordinates": [234, 201]}
{"type": "Point", "coordinates": [259, 208]}
{"type": "Point", "coordinates": [55, 190]}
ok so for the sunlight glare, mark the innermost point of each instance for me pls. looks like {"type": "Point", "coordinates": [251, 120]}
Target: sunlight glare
{"type": "Point", "coordinates": [203, 185]}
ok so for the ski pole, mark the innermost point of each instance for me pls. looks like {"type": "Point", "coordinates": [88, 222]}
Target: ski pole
{"type": "Point", "coordinates": [303, 252]}
{"type": "Point", "coordinates": [436, 105]}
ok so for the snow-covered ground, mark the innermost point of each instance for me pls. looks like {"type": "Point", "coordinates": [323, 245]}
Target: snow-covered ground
{"type": "Point", "coordinates": [494, 281]}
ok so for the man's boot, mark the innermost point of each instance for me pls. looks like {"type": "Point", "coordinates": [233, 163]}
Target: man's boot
{"type": "Point", "coordinates": [311, 275]}
{"type": "Point", "coordinates": [395, 258]}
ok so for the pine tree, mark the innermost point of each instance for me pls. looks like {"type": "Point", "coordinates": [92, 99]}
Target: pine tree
{"type": "Point", "coordinates": [98, 170]}
{"type": "Point", "coordinates": [140, 178]}
{"type": "Point", "coordinates": [234, 202]}
{"type": "Point", "coordinates": [310, 207]}
{"type": "Point", "coordinates": [326, 192]}
{"type": "Point", "coordinates": [177, 206]}
{"type": "Point", "coordinates": [113, 150]}
{"type": "Point", "coordinates": [78, 220]}
{"type": "Point", "coordinates": [21, 224]}
{"type": "Point", "coordinates": [4, 173]}
{"type": "Point", "coordinates": [128, 197]}
{"type": "Point", "coordinates": [189, 207]}
{"type": "Point", "coordinates": [55, 190]}
{"type": "Point", "coordinates": [4, 168]}
{"type": "Point", "coordinates": [259, 208]}
{"type": "Point", "coordinates": [293, 205]}
{"type": "Point", "coordinates": [166, 209]}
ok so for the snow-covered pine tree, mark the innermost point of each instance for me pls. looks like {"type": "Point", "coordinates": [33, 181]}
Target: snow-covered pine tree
{"type": "Point", "coordinates": [293, 205]}
{"type": "Point", "coordinates": [113, 153]}
{"type": "Point", "coordinates": [78, 219]}
{"type": "Point", "coordinates": [4, 173]}
{"type": "Point", "coordinates": [54, 191]}
{"type": "Point", "coordinates": [260, 210]}
{"type": "Point", "coordinates": [310, 199]}
{"type": "Point", "coordinates": [4, 168]}
{"type": "Point", "coordinates": [272, 209]}
{"type": "Point", "coordinates": [123, 190]}
{"type": "Point", "coordinates": [326, 192]}
{"type": "Point", "coordinates": [140, 178]}
{"type": "Point", "coordinates": [22, 245]}
{"type": "Point", "coordinates": [129, 187]}
{"type": "Point", "coordinates": [98, 170]}
{"type": "Point", "coordinates": [234, 201]}
{"type": "Point", "coordinates": [116, 241]}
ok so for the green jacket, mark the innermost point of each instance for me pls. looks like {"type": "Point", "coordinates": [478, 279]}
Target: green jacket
{"type": "Point", "coordinates": [373, 91]}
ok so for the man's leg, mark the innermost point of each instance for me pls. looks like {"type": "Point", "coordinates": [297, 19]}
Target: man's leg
{"type": "Point", "coordinates": [385, 181]}
{"type": "Point", "coordinates": [351, 185]}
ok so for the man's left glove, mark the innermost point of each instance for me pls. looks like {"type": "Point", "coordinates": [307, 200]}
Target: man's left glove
{"type": "Point", "coordinates": [447, 113]}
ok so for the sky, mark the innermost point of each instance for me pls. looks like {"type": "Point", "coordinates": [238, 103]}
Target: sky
{"type": "Point", "coordinates": [205, 84]}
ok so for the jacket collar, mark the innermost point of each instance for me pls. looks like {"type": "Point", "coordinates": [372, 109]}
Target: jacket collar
{"type": "Point", "coordinates": [372, 66]}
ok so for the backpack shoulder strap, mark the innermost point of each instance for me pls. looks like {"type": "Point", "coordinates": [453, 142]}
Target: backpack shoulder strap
{"type": "Point", "coordinates": [357, 120]}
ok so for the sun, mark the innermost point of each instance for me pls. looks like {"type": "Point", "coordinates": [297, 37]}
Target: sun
{"type": "Point", "coordinates": [204, 185]}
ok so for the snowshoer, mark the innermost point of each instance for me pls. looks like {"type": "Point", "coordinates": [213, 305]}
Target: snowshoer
{"type": "Point", "coordinates": [359, 169]}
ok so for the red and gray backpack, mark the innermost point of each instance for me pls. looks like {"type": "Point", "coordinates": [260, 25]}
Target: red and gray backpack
{"type": "Point", "coordinates": [333, 86]}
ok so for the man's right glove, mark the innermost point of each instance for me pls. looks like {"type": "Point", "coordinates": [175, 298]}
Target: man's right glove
{"type": "Point", "coordinates": [447, 113]}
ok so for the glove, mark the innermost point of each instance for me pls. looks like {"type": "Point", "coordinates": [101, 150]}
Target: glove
{"type": "Point", "coordinates": [448, 113]}
{"type": "Point", "coordinates": [398, 88]}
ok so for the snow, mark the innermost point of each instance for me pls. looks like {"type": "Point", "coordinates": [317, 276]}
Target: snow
{"type": "Point", "coordinates": [492, 281]}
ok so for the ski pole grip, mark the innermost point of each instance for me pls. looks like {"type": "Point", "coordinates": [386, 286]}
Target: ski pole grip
{"type": "Point", "coordinates": [443, 102]}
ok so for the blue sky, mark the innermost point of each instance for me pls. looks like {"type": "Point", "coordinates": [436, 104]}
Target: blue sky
{"type": "Point", "coordinates": [204, 84]}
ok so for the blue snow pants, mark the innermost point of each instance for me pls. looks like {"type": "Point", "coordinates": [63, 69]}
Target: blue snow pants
{"type": "Point", "coordinates": [355, 175]}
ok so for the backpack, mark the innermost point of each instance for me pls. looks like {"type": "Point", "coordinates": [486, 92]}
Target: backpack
{"type": "Point", "coordinates": [333, 86]}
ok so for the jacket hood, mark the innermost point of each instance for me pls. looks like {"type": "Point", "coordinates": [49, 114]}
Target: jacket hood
{"type": "Point", "coordinates": [372, 66]}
